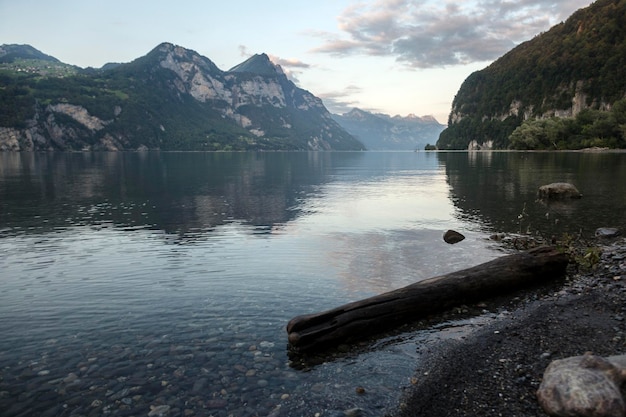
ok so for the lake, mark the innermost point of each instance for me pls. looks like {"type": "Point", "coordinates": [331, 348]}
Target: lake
{"type": "Point", "coordinates": [156, 283]}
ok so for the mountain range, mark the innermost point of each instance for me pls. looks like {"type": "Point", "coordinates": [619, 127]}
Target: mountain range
{"type": "Point", "coordinates": [379, 131]}
{"type": "Point", "coordinates": [170, 99]}
{"type": "Point", "coordinates": [565, 88]}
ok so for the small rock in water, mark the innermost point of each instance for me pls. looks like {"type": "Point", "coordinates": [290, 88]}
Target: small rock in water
{"type": "Point", "coordinates": [216, 403]}
{"type": "Point", "coordinates": [353, 412]}
{"type": "Point", "coordinates": [452, 237]}
{"type": "Point", "coordinates": [558, 190]}
{"type": "Point", "coordinates": [71, 377]}
{"type": "Point", "coordinates": [159, 410]}
{"type": "Point", "coordinates": [607, 232]}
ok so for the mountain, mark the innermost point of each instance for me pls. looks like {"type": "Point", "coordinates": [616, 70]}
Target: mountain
{"type": "Point", "coordinates": [576, 68]}
{"type": "Point", "coordinates": [170, 99]}
{"type": "Point", "coordinates": [10, 53]}
{"type": "Point", "coordinates": [258, 64]}
{"type": "Point", "coordinates": [382, 132]}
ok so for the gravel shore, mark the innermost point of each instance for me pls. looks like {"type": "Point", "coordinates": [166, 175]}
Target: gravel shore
{"type": "Point", "coordinates": [496, 371]}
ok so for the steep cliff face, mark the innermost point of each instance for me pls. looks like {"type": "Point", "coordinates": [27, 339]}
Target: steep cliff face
{"type": "Point", "coordinates": [576, 65]}
{"type": "Point", "coordinates": [172, 98]}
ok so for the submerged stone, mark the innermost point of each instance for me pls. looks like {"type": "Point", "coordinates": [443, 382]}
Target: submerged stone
{"type": "Point", "coordinates": [558, 190]}
{"type": "Point", "coordinates": [607, 232]}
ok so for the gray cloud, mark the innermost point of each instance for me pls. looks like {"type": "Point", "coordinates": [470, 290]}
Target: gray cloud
{"type": "Point", "coordinates": [426, 34]}
{"type": "Point", "coordinates": [289, 62]}
{"type": "Point", "coordinates": [290, 66]}
{"type": "Point", "coordinates": [339, 102]}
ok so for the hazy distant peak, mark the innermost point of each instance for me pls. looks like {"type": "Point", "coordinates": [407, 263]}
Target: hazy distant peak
{"type": "Point", "coordinates": [429, 118]}
{"type": "Point", "coordinates": [378, 131]}
{"type": "Point", "coordinates": [357, 114]}
{"type": "Point", "coordinates": [411, 117]}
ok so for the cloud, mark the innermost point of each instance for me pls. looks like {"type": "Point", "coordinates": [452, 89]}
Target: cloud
{"type": "Point", "coordinates": [427, 34]}
{"type": "Point", "coordinates": [291, 67]}
{"type": "Point", "coordinates": [288, 62]}
{"type": "Point", "coordinates": [339, 102]}
{"type": "Point", "coordinates": [243, 51]}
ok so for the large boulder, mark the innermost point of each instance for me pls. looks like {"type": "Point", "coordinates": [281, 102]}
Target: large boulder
{"type": "Point", "coordinates": [558, 190]}
{"type": "Point", "coordinates": [584, 386]}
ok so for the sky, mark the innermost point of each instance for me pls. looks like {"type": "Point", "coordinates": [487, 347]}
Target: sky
{"type": "Point", "coordinates": [397, 57]}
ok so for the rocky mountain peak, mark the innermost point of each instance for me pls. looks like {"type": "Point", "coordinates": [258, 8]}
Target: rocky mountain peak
{"type": "Point", "coordinates": [259, 64]}
{"type": "Point", "coordinates": [177, 58]}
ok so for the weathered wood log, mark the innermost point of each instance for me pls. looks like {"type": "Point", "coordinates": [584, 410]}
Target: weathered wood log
{"type": "Point", "coordinates": [382, 312]}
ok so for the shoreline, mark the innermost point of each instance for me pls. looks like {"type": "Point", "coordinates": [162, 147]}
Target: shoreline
{"type": "Point", "coordinates": [496, 370]}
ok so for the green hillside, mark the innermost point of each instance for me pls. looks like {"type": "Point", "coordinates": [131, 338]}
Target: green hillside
{"type": "Point", "coordinates": [577, 66]}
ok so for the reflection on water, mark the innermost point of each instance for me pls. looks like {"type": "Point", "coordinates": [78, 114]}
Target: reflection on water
{"type": "Point", "coordinates": [132, 281]}
{"type": "Point", "coordinates": [499, 190]}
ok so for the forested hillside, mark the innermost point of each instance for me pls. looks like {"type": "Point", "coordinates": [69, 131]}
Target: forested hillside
{"type": "Point", "coordinates": [574, 71]}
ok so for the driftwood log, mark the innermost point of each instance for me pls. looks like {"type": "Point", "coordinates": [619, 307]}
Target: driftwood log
{"type": "Point", "coordinates": [383, 312]}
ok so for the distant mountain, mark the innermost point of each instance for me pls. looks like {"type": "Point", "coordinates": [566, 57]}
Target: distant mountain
{"type": "Point", "coordinates": [170, 99]}
{"type": "Point", "coordinates": [576, 66]}
{"type": "Point", "coordinates": [9, 53]}
{"type": "Point", "coordinates": [382, 132]}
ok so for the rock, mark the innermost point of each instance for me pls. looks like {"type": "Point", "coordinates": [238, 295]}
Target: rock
{"type": "Point", "coordinates": [159, 410]}
{"type": "Point", "coordinates": [452, 237]}
{"type": "Point", "coordinates": [216, 403]}
{"type": "Point", "coordinates": [353, 412]}
{"type": "Point", "coordinates": [585, 385]}
{"type": "Point", "coordinates": [607, 232]}
{"type": "Point", "coordinates": [558, 190]}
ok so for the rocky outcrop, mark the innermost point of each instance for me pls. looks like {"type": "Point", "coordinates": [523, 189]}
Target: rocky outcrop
{"type": "Point", "coordinates": [9, 139]}
{"type": "Point", "coordinates": [80, 114]}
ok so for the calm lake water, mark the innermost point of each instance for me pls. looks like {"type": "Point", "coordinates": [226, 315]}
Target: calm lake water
{"type": "Point", "coordinates": [161, 283]}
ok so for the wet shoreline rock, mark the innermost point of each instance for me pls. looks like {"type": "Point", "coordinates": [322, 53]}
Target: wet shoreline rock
{"type": "Point", "coordinates": [586, 385]}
